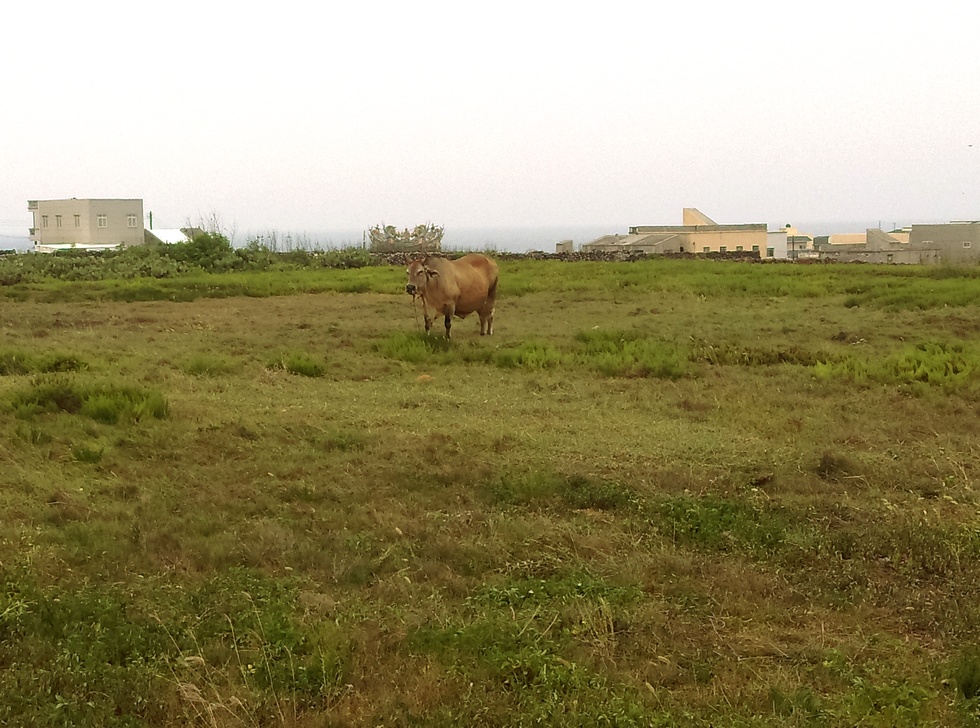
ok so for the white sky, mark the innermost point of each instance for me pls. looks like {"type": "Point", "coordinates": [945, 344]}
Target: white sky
{"type": "Point", "coordinates": [305, 117]}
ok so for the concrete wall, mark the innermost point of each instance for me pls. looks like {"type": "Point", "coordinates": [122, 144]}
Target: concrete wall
{"type": "Point", "coordinates": [957, 243]}
{"type": "Point", "coordinates": [776, 239]}
{"type": "Point", "coordinates": [87, 222]}
{"type": "Point", "coordinates": [564, 246]}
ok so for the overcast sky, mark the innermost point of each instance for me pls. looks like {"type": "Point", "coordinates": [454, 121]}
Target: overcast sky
{"type": "Point", "coordinates": [306, 117]}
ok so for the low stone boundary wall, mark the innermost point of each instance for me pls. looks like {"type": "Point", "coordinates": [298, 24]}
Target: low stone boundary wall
{"type": "Point", "coordinates": [611, 256]}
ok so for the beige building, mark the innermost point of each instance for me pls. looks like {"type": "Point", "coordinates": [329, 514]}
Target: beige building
{"type": "Point", "coordinates": [698, 234]}
{"type": "Point", "coordinates": [874, 246]}
{"type": "Point", "coordinates": [955, 243]}
{"type": "Point", "coordinates": [895, 236]}
{"type": "Point", "coordinates": [86, 224]}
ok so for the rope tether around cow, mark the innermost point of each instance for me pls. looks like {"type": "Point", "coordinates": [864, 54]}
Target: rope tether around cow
{"type": "Point", "coordinates": [415, 308]}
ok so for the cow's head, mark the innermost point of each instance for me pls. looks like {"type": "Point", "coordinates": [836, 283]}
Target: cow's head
{"type": "Point", "coordinates": [418, 276]}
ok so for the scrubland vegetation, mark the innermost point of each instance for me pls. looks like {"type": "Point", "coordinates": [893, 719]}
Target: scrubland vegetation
{"type": "Point", "coordinates": [242, 488]}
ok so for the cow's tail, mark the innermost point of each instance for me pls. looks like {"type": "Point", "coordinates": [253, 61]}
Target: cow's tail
{"type": "Point", "coordinates": [492, 291]}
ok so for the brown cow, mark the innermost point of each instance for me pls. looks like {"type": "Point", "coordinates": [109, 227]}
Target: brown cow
{"type": "Point", "coordinates": [455, 288]}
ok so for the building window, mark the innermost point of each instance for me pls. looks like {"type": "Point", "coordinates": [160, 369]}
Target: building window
{"type": "Point", "coordinates": [738, 247]}
{"type": "Point", "coordinates": [966, 243]}
{"type": "Point", "coordinates": [78, 220]}
{"type": "Point", "coordinates": [705, 249]}
{"type": "Point", "coordinates": [131, 220]}
{"type": "Point", "coordinates": [103, 221]}
{"type": "Point", "coordinates": [770, 252]}
{"type": "Point", "coordinates": [44, 220]}
{"type": "Point", "coordinates": [755, 248]}
{"type": "Point", "coordinates": [57, 220]}
{"type": "Point", "coordinates": [723, 249]}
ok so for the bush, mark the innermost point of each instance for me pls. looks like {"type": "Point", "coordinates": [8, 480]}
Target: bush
{"type": "Point", "coordinates": [209, 251]}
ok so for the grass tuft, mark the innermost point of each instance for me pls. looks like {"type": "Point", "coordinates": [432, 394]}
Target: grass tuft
{"type": "Point", "coordinates": [531, 488]}
{"type": "Point", "coordinates": [210, 365]}
{"type": "Point", "coordinates": [107, 403]}
{"type": "Point", "coordinates": [300, 363]}
{"type": "Point", "coordinates": [19, 363]}
{"type": "Point", "coordinates": [966, 674]}
{"type": "Point", "coordinates": [87, 454]}
{"type": "Point", "coordinates": [721, 525]}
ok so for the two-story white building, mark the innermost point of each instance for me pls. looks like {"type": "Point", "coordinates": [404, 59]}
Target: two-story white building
{"type": "Point", "coordinates": [90, 224]}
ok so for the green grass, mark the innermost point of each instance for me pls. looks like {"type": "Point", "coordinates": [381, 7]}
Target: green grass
{"type": "Point", "coordinates": [298, 362]}
{"type": "Point", "coordinates": [106, 403]}
{"type": "Point", "coordinates": [210, 366]}
{"type": "Point", "coordinates": [20, 362]}
{"type": "Point", "coordinates": [667, 493]}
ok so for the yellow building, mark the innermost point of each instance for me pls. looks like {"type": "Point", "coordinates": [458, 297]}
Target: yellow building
{"type": "Point", "coordinates": [698, 234]}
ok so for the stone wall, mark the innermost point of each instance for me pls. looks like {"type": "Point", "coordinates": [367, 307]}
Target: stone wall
{"type": "Point", "coordinates": [610, 256]}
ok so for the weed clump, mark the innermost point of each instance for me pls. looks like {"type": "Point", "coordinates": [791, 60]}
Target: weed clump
{"type": "Point", "coordinates": [834, 467]}
{"type": "Point", "coordinates": [966, 674]}
{"type": "Point", "coordinates": [107, 403]}
{"type": "Point", "coordinates": [574, 491]}
{"type": "Point", "coordinates": [529, 355]}
{"type": "Point", "coordinates": [19, 363]}
{"type": "Point", "coordinates": [298, 363]}
{"type": "Point", "coordinates": [416, 348]}
{"type": "Point", "coordinates": [951, 367]}
{"type": "Point", "coordinates": [630, 354]}
{"type": "Point", "coordinates": [209, 366]}
{"type": "Point", "coordinates": [343, 441]}
{"type": "Point", "coordinates": [87, 454]}
{"type": "Point", "coordinates": [721, 525]}
{"type": "Point", "coordinates": [740, 355]}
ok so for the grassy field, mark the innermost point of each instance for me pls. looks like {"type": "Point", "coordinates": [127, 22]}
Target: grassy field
{"type": "Point", "coordinates": [668, 493]}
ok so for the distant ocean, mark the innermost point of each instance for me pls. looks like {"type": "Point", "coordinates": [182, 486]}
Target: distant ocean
{"type": "Point", "coordinates": [502, 239]}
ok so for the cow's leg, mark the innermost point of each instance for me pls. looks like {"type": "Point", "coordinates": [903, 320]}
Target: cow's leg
{"type": "Point", "coordinates": [486, 321]}
{"type": "Point", "coordinates": [428, 321]}
{"type": "Point", "coordinates": [449, 311]}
